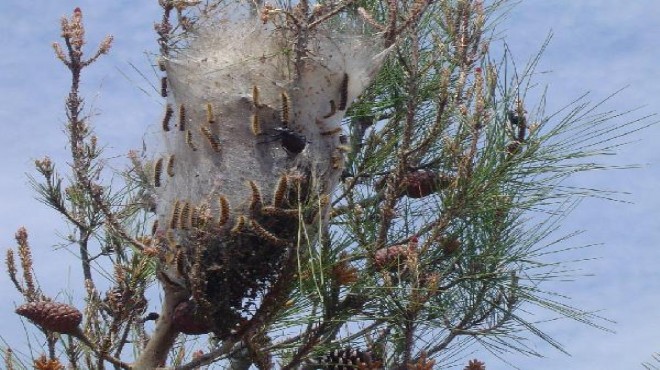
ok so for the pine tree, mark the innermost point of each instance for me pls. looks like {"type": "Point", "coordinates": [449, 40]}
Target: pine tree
{"type": "Point", "coordinates": [356, 184]}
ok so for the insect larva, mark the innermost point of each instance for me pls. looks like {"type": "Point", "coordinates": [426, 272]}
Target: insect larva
{"type": "Point", "coordinates": [324, 200]}
{"type": "Point", "coordinates": [335, 130]}
{"type": "Point", "coordinates": [215, 143]}
{"type": "Point", "coordinates": [280, 191]}
{"type": "Point", "coordinates": [266, 235]}
{"type": "Point", "coordinates": [240, 224]}
{"type": "Point", "coordinates": [285, 109]}
{"type": "Point", "coordinates": [280, 212]}
{"type": "Point", "coordinates": [210, 118]}
{"type": "Point", "coordinates": [255, 125]}
{"type": "Point", "coordinates": [224, 210]}
{"type": "Point", "coordinates": [170, 166]}
{"type": "Point", "coordinates": [163, 87]}
{"type": "Point", "coordinates": [169, 111]}
{"type": "Point", "coordinates": [154, 227]}
{"type": "Point", "coordinates": [255, 204]}
{"type": "Point", "coordinates": [194, 217]}
{"type": "Point", "coordinates": [180, 261]}
{"type": "Point", "coordinates": [158, 169]}
{"type": "Point", "coordinates": [344, 148]}
{"type": "Point", "coordinates": [255, 96]}
{"type": "Point", "coordinates": [336, 161]}
{"type": "Point", "coordinates": [333, 109]}
{"type": "Point", "coordinates": [171, 239]}
{"type": "Point", "coordinates": [202, 215]}
{"type": "Point", "coordinates": [189, 140]}
{"type": "Point", "coordinates": [343, 98]}
{"type": "Point", "coordinates": [182, 117]}
{"type": "Point", "coordinates": [185, 214]}
{"type": "Point", "coordinates": [176, 214]}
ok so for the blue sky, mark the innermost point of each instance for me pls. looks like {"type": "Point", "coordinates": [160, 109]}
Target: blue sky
{"type": "Point", "coordinates": [598, 45]}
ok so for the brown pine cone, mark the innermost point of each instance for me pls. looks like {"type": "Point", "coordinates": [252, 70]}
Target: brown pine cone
{"type": "Point", "coordinates": [186, 320]}
{"type": "Point", "coordinates": [53, 316]}
{"type": "Point", "coordinates": [422, 183]}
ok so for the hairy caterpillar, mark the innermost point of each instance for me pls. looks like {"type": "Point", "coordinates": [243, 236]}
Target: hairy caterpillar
{"type": "Point", "coordinates": [163, 87]}
{"type": "Point", "coordinates": [185, 214]}
{"type": "Point", "coordinates": [240, 224]}
{"type": "Point", "coordinates": [255, 204]}
{"type": "Point", "coordinates": [343, 98]}
{"type": "Point", "coordinates": [266, 235]}
{"type": "Point", "coordinates": [280, 191]}
{"type": "Point", "coordinates": [176, 214]}
{"type": "Point", "coordinates": [210, 118]}
{"type": "Point", "coordinates": [333, 109]}
{"type": "Point", "coordinates": [158, 169]}
{"type": "Point", "coordinates": [189, 141]}
{"type": "Point", "coordinates": [170, 166]}
{"type": "Point", "coordinates": [255, 125]}
{"type": "Point", "coordinates": [292, 213]}
{"type": "Point", "coordinates": [182, 117]}
{"type": "Point", "coordinates": [335, 130]}
{"type": "Point", "coordinates": [255, 96]}
{"type": "Point", "coordinates": [169, 111]}
{"type": "Point", "coordinates": [285, 109]}
{"type": "Point", "coordinates": [213, 141]}
{"type": "Point", "coordinates": [223, 204]}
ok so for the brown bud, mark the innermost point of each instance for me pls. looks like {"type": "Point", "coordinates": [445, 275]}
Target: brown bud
{"type": "Point", "coordinates": [475, 365]}
{"type": "Point", "coordinates": [53, 316]}
{"type": "Point", "coordinates": [44, 363]}
{"type": "Point", "coordinates": [391, 257]}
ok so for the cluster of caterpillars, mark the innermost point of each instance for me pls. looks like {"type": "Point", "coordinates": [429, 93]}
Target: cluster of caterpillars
{"type": "Point", "coordinates": [206, 129]}
{"type": "Point", "coordinates": [188, 217]}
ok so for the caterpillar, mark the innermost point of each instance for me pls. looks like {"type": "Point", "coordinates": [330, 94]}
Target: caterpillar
{"type": "Point", "coordinates": [182, 117]}
{"type": "Point", "coordinates": [280, 191]}
{"type": "Point", "coordinates": [223, 204]}
{"type": "Point", "coordinates": [163, 87]}
{"type": "Point", "coordinates": [335, 130]}
{"type": "Point", "coordinates": [170, 166]}
{"type": "Point", "coordinates": [344, 148]}
{"type": "Point", "coordinates": [333, 109]}
{"type": "Point", "coordinates": [266, 235]}
{"type": "Point", "coordinates": [194, 217]}
{"type": "Point", "coordinates": [215, 143]}
{"type": "Point", "coordinates": [255, 204]}
{"type": "Point", "coordinates": [176, 214]}
{"type": "Point", "coordinates": [210, 118]}
{"type": "Point", "coordinates": [240, 224]}
{"type": "Point", "coordinates": [169, 111]}
{"type": "Point", "coordinates": [255, 125]}
{"type": "Point", "coordinates": [154, 227]}
{"type": "Point", "coordinates": [255, 96]}
{"type": "Point", "coordinates": [180, 261]}
{"type": "Point", "coordinates": [189, 141]}
{"type": "Point", "coordinates": [343, 97]}
{"type": "Point", "coordinates": [336, 161]}
{"type": "Point", "coordinates": [285, 109]}
{"type": "Point", "coordinates": [158, 169]}
{"type": "Point", "coordinates": [292, 213]}
{"type": "Point", "coordinates": [185, 215]}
